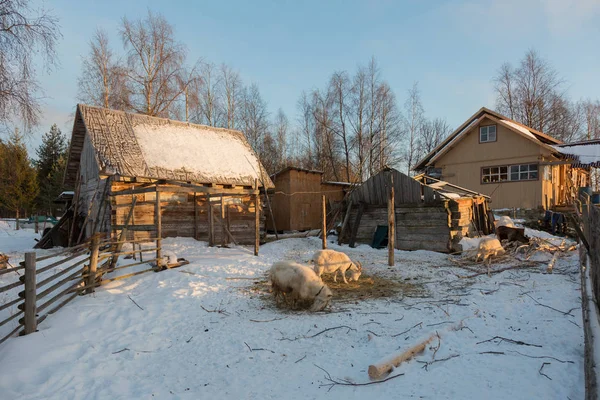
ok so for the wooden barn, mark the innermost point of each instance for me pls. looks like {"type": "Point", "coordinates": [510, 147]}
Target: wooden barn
{"type": "Point", "coordinates": [296, 203]}
{"type": "Point", "coordinates": [432, 215]}
{"type": "Point", "coordinates": [156, 177]}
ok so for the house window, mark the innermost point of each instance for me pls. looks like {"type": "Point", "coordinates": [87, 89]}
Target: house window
{"type": "Point", "coordinates": [487, 134]}
{"type": "Point", "coordinates": [525, 172]}
{"type": "Point", "coordinates": [509, 173]}
{"type": "Point", "coordinates": [494, 174]}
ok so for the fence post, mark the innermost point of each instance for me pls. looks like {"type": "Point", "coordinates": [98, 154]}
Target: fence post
{"type": "Point", "coordinates": [37, 225]}
{"type": "Point", "coordinates": [324, 222]}
{"type": "Point", "coordinates": [256, 218]}
{"type": "Point", "coordinates": [30, 321]}
{"type": "Point", "coordinates": [158, 221]}
{"type": "Point", "coordinates": [91, 279]}
{"type": "Point", "coordinates": [391, 223]}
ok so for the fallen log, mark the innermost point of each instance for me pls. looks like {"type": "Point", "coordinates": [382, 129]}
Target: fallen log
{"type": "Point", "coordinates": [386, 366]}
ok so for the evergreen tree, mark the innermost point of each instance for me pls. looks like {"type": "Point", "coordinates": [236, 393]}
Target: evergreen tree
{"type": "Point", "coordinates": [18, 182]}
{"type": "Point", "coordinates": [50, 168]}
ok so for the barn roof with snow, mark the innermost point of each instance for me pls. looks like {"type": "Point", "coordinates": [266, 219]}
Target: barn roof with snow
{"type": "Point", "coordinates": [136, 145]}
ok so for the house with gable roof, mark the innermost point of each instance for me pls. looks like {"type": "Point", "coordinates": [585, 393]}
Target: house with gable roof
{"type": "Point", "coordinates": [515, 165]}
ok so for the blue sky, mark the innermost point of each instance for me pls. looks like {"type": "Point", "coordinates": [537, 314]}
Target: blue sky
{"type": "Point", "coordinates": [452, 48]}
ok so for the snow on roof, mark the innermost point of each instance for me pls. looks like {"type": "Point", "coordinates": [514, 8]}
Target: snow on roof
{"type": "Point", "coordinates": [586, 153]}
{"type": "Point", "coordinates": [138, 145]}
{"type": "Point", "coordinates": [520, 128]}
{"type": "Point", "coordinates": [201, 151]}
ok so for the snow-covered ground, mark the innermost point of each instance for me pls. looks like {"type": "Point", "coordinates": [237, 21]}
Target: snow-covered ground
{"type": "Point", "coordinates": [211, 330]}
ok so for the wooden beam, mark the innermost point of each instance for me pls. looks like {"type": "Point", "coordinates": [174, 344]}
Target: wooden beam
{"type": "Point", "coordinates": [30, 297]}
{"type": "Point", "coordinates": [195, 217]}
{"type": "Point", "coordinates": [95, 247]}
{"type": "Point", "coordinates": [391, 224]}
{"type": "Point", "coordinates": [136, 228]}
{"type": "Point", "coordinates": [324, 222]}
{"type": "Point", "coordinates": [211, 227]}
{"type": "Point", "coordinates": [158, 222]}
{"type": "Point", "coordinates": [134, 191]}
{"type": "Point", "coordinates": [256, 219]}
{"type": "Point", "coordinates": [223, 234]}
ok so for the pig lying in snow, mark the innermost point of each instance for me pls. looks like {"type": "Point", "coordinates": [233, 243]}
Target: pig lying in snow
{"type": "Point", "coordinates": [300, 284]}
{"type": "Point", "coordinates": [330, 261]}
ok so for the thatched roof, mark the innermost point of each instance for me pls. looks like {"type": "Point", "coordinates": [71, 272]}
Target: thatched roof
{"type": "Point", "coordinates": [136, 145]}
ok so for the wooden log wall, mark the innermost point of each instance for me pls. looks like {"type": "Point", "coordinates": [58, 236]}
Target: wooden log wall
{"type": "Point", "coordinates": [182, 218]}
{"type": "Point", "coordinates": [436, 227]}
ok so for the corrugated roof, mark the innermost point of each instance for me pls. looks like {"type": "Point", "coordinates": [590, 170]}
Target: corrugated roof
{"type": "Point", "coordinates": [138, 145]}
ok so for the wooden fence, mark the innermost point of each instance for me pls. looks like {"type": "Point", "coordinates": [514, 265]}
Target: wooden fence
{"type": "Point", "coordinates": [589, 233]}
{"type": "Point", "coordinates": [73, 271]}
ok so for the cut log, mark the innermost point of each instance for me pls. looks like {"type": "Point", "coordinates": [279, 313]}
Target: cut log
{"type": "Point", "coordinates": [383, 368]}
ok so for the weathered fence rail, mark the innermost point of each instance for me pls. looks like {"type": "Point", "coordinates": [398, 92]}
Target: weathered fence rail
{"type": "Point", "coordinates": [76, 271]}
{"type": "Point", "coordinates": [589, 232]}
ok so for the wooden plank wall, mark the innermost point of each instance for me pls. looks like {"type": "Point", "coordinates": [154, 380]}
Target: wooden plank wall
{"type": "Point", "coordinates": [436, 227]}
{"type": "Point", "coordinates": [178, 214]}
{"type": "Point", "coordinates": [374, 191]}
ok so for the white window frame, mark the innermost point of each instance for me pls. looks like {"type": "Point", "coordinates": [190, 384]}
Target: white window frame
{"type": "Point", "coordinates": [485, 136]}
{"type": "Point", "coordinates": [506, 173]}
{"type": "Point", "coordinates": [525, 172]}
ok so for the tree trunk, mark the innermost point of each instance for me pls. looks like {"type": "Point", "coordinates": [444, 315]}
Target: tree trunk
{"type": "Point", "coordinates": [17, 220]}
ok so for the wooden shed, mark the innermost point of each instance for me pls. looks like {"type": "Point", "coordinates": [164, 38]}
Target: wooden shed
{"type": "Point", "coordinates": [431, 215]}
{"type": "Point", "coordinates": [159, 177]}
{"type": "Point", "coordinates": [296, 202]}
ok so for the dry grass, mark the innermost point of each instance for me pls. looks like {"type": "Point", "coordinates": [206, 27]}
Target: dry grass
{"type": "Point", "coordinates": [367, 287]}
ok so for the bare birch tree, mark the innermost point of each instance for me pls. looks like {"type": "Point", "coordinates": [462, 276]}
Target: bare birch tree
{"type": "Point", "coordinates": [359, 104]}
{"type": "Point", "coordinates": [414, 120]}
{"type": "Point", "coordinates": [390, 127]}
{"type": "Point", "coordinates": [154, 62]}
{"type": "Point", "coordinates": [103, 79]}
{"type": "Point", "coordinates": [25, 33]}
{"type": "Point", "coordinates": [231, 85]}
{"type": "Point", "coordinates": [339, 88]}
{"type": "Point", "coordinates": [306, 129]}
{"type": "Point", "coordinates": [254, 123]}
{"type": "Point", "coordinates": [529, 93]}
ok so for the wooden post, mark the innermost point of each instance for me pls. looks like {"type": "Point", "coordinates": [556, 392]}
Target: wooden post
{"type": "Point", "coordinates": [228, 222]}
{"type": "Point", "coordinates": [195, 217]}
{"type": "Point", "coordinates": [223, 235]}
{"type": "Point", "coordinates": [391, 224]}
{"type": "Point", "coordinates": [256, 218]}
{"type": "Point", "coordinates": [94, 247]}
{"type": "Point", "coordinates": [37, 224]}
{"type": "Point", "coordinates": [158, 221]}
{"type": "Point", "coordinates": [324, 222]}
{"type": "Point", "coordinates": [211, 230]}
{"type": "Point", "coordinates": [30, 321]}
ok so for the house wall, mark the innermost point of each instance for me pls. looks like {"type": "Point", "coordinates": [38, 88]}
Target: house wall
{"type": "Point", "coordinates": [462, 165]}
{"type": "Point", "coordinates": [181, 217]}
